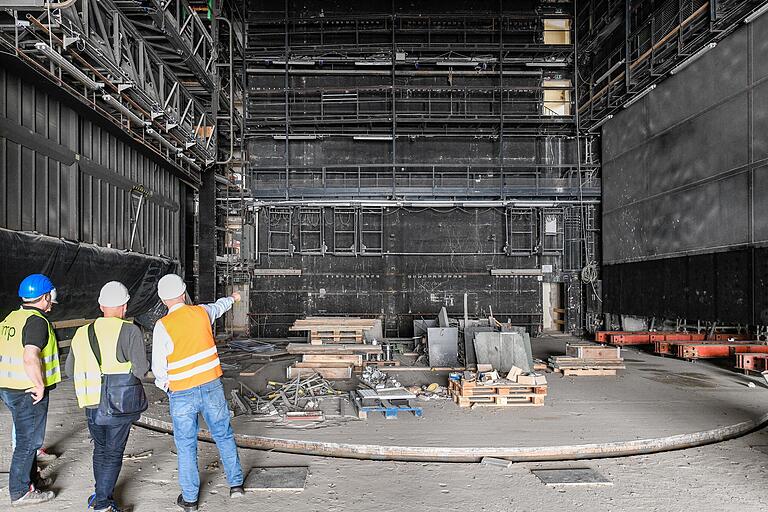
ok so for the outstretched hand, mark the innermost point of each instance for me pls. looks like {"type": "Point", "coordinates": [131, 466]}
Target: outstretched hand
{"type": "Point", "coordinates": [236, 296]}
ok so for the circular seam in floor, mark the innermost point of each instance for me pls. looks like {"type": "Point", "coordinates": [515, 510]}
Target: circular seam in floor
{"type": "Point", "coordinates": [475, 454]}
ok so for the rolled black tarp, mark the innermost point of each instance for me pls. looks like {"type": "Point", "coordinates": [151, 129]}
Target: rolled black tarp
{"type": "Point", "coordinates": [78, 271]}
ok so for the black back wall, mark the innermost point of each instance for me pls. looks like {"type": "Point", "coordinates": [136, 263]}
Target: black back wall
{"type": "Point", "coordinates": [685, 180]}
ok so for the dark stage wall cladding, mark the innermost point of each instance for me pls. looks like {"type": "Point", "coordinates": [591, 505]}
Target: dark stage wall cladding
{"type": "Point", "coordinates": [78, 271]}
{"type": "Point", "coordinates": [684, 176]}
{"type": "Point", "coordinates": [405, 264]}
{"type": "Point", "coordinates": [63, 174]}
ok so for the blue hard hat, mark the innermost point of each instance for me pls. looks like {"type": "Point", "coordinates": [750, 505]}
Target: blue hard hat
{"type": "Point", "coordinates": [34, 286]}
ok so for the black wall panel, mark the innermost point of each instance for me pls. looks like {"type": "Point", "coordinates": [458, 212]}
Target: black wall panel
{"type": "Point", "coordinates": [62, 174]}
{"type": "Point", "coordinates": [684, 184]}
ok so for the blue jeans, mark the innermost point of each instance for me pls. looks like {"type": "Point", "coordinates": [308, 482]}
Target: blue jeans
{"type": "Point", "coordinates": [208, 400]}
{"type": "Point", "coordinates": [29, 421]}
{"type": "Point", "coordinates": [108, 446]}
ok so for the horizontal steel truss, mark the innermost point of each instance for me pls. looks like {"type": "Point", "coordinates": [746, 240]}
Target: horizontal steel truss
{"type": "Point", "coordinates": [650, 47]}
{"type": "Point", "coordinates": [96, 38]}
{"type": "Point", "coordinates": [421, 180]}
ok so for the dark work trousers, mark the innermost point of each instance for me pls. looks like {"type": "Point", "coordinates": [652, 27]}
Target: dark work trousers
{"type": "Point", "coordinates": [108, 446]}
{"type": "Point", "coordinates": [29, 420]}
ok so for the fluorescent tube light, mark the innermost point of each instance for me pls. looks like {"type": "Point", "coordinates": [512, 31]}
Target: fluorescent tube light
{"type": "Point", "coordinates": [68, 66]}
{"type": "Point", "coordinates": [611, 70]}
{"type": "Point", "coordinates": [696, 56]}
{"type": "Point", "coordinates": [457, 63]}
{"type": "Point", "coordinates": [372, 137]}
{"type": "Point", "coordinates": [752, 17]}
{"type": "Point", "coordinates": [601, 122]}
{"type": "Point", "coordinates": [190, 161]}
{"type": "Point", "coordinates": [639, 95]}
{"type": "Point", "coordinates": [162, 140]}
{"type": "Point", "coordinates": [112, 101]}
{"type": "Point", "coordinates": [295, 137]}
{"type": "Point", "coordinates": [373, 63]}
{"type": "Point", "coordinates": [546, 64]}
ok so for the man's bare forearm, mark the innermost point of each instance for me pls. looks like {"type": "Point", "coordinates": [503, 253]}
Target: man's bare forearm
{"type": "Point", "coordinates": [33, 366]}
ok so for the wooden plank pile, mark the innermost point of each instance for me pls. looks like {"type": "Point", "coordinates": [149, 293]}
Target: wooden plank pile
{"type": "Point", "coordinates": [336, 347]}
{"type": "Point", "coordinates": [500, 393]}
{"type": "Point", "coordinates": [583, 359]}
{"type": "Point", "coordinates": [328, 330]}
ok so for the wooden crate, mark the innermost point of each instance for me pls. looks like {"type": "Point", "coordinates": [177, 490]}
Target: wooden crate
{"type": "Point", "coordinates": [592, 351]}
{"type": "Point", "coordinates": [473, 394]}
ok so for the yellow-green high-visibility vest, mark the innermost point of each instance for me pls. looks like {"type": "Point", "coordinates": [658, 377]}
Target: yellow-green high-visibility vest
{"type": "Point", "coordinates": [88, 373]}
{"type": "Point", "coordinates": [12, 374]}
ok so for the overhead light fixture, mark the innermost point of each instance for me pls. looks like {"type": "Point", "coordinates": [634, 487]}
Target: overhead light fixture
{"type": "Point", "coordinates": [457, 63]}
{"type": "Point", "coordinates": [611, 70]}
{"type": "Point", "coordinates": [639, 95]}
{"type": "Point", "coordinates": [546, 64]}
{"type": "Point", "coordinates": [752, 17]}
{"type": "Point", "coordinates": [601, 122]}
{"type": "Point", "coordinates": [372, 137]}
{"type": "Point", "coordinates": [690, 60]}
{"type": "Point", "coordinates": [294, 62]}
{"type": "Point", "coordinates": [373, 63]}
{"type": "Point", "coordinates": [68, 66]}
{"type": "Point", "coordinates": [539, 204]}
{"type": "Point", "coordinates": [295, 137]}
{"type": "Point", "coordinates": [112, 101]}
{"type": "Point", "coordinates": [190, 161]}
{"type": "Point", "coordinates": [162, 140]}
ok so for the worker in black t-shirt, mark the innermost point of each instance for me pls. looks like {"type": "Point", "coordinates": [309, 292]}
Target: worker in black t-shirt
{"type": "Point", "coordinates": [29, 369]}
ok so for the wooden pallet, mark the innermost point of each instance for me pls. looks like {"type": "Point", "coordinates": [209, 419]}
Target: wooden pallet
{"type": "Point", "coordinates": [592, 351]}
{"type": "Point", "coordinates": [587, 372]}
{"type": "Point", "coordinates": [473, 394]}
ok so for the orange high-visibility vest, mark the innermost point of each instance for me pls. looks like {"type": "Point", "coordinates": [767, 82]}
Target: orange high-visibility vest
{"type": "Point", "coordinates": [194, 360]}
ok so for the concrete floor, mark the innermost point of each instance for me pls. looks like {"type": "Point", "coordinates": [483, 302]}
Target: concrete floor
{"type": "Point", "coordinates": [725, 476]}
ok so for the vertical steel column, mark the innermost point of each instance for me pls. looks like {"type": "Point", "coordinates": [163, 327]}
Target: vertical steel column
{"type": "Point", "coordinates": [627, 31]}
{"type": "Point", "coordinates": [501, 100]}
{"type": "Point", "coordinates": [394, 109]}
{"type": "Point", "coordinates": [207, 240]}
{"type": "Point", "coordinates": [286, 84]}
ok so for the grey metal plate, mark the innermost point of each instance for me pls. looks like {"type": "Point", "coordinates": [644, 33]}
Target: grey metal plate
{"type": "Point", "coordinates": [469, 342]}
{"type": "Point", "coordinates": [571, 476]}
{"type": "Point", "coordinates": [277, 479]}
{"type": "Point", "coordinates": [443, 346]}
{"type": "Point", "coordinates": [420, 326]}
{"type": "Point", "coordinates": [503, 350]}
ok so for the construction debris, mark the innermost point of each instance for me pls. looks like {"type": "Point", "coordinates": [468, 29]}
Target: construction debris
{"type": "Point", "coordinates": [299, 400]}
{"type": "Point", "coordinates": [472, 389]}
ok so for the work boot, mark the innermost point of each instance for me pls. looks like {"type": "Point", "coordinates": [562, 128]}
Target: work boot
{"type": "Point", "coordinates": [236, 491]}
{"type": "Point", "coordinates": [44, 456]}
{"type": "Point", "coordinates": [186, 505]}
{"type": "Point", "coordinates": [42, 483]}
{"type": "Point", "coordinates": [111, 508]}
{"type": "Point", "coordinates": [33, 497]}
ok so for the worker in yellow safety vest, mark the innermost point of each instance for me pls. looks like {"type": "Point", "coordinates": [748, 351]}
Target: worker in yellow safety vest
{"type": "Point", "coordinates": [107, 361]}
{"type": "Point", "coordinates": [29, 369]}
{"type": "Point", "coordinates": [186, 364]}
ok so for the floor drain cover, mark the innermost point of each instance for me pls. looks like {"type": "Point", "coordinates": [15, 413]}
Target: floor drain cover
{"type": "Point", "coordinates": [571, 476]}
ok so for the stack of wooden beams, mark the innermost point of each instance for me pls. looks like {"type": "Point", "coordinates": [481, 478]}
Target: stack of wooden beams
{"type": "Point", "coordinates": [329, 330]}
{"type": "Point", "coordinates": [336, 346]}
{"type": "Point", "coordinates": [583, 359]}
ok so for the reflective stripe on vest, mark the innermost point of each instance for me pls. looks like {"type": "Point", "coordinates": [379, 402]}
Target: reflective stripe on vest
{"type": "Point", "coordinates": [12, 374]}
{"type": "Point", "coordinates": [87, 372]}
{"type": "Point", "coordinates": [194, 360]}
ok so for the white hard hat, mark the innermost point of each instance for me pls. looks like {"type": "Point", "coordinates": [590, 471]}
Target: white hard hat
{"type": "Point", "coordinates": [171, 286]}
{"type": "Point", "coordinates": [113, 294]}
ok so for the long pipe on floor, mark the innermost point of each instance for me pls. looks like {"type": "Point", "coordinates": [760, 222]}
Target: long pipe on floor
{"type": "Point", "coordinates": [475, 454]}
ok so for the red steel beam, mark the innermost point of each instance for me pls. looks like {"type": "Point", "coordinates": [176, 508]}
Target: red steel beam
{"type": "Point", "coordinates": [751, 361]}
